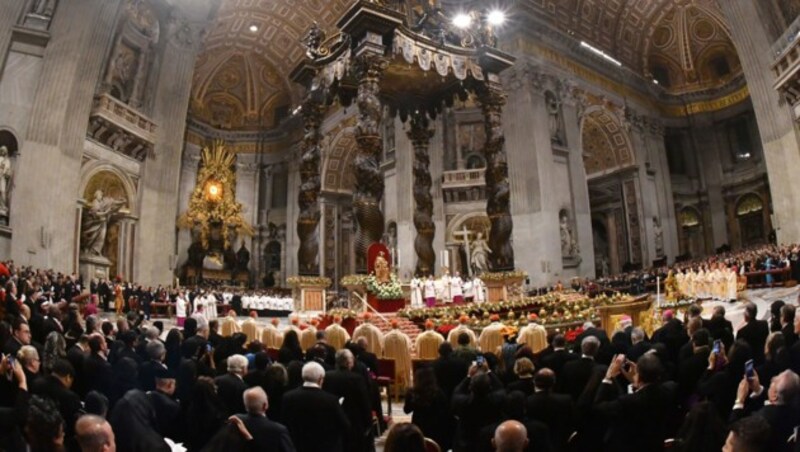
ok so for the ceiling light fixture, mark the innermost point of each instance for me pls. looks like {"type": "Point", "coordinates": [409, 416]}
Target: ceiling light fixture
{"type": "Point", "coordinates": [496, 17]}
{"type": "Point", "coordinates": [253, 28]}
{"type": "Point", "coordinates": [462, 20]}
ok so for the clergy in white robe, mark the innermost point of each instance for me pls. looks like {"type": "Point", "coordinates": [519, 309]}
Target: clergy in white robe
{"type": "Point", "coordinates": [430, 292]}
{"type": "Point", "coordinates": [416, 292]}
{"type": "Point", "coordinates": [457, 289]}
{"type": "Point", "coordinates": [480, 290]}
{"type": "Point", "coordinates": [463, 327]}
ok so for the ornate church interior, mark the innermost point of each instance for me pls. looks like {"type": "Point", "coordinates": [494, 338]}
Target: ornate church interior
{"type": "Point", "coordinates": [501, 174]}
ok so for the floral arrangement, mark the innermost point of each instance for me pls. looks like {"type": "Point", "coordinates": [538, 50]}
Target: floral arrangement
{"type": "Point", "coordinates": [309, 281]}
{"type": "Point", "coordinates": [391, 290]}
{"type": "Point", "coordinates": [354, 280]}
{"type": "Point", "coordinates": [343, 313]}
{"type": "Point", "coordinates": [503, 276]}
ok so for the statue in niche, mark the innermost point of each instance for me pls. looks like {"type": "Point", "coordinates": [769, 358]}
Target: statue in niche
{"type": "Point", "coordinates": [242, 258]}
{"type": "Point", "coordinates": [94, 225]}
{"type": "Point", "coordinates": [5, 179]}
{"type": "Point", "coordinates": [568, 244]}
{"type": "Point", "coordinates": [659, 236]}
{"type": "Point", "coordinates": [43, 7]}
{"type": "Point", "coordinates": [554, 117]}
{"type": "Point", "coordinates": [480, 254]}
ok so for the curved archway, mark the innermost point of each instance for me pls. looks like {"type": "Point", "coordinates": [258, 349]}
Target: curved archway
{"type": "Point", "coordinates": [337, 174]}
{"type": "Point", "coordinates": [606, 145]}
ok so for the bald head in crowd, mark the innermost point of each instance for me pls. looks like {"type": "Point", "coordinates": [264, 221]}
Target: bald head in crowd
{"type": "Point", "coordinates": [94, 434]}
{"type": "Point", "coordinates": [255, 401]}
{"type": "Point", "coordinates": [510, 436]}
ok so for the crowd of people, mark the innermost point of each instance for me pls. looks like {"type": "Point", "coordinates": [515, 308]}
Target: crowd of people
{"type": "Point", "coordinates": [77, 379]}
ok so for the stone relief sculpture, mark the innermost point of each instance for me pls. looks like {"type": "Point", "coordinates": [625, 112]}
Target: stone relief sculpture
{"type": "Point", "coordinates": [480, 255]}
{"type": "Point", "coordinates": [554, 117]}
{"type": "Point", "coordinates": [568, 243]}
{"type": "Point", "coordinates": [659, 236]}
{"type": "Point", "coordinates": [5, 180]}
{"type": "Point", "coordinates": [43, 7]}
{"type": "Point", "coordinates": [94, 225]}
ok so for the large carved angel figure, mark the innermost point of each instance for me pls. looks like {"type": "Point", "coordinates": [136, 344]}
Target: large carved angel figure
{"type": "Point", "coordinates": [95, 222]}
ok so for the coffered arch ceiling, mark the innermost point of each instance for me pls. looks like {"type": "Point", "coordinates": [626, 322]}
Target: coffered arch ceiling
{"type": "Point", "coordinates": [683, 43]}
{"type": "Point", "coordinates": [242, 76]}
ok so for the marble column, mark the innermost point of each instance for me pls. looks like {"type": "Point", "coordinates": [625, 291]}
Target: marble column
{"type": "Point", "coordinates": [310, 184]}
{"type": "Point", "coordinates": [369, 178]}
{"type": "Point", "coordinates": [711, 176]}
{"type": "Point", "coordinates": [498, 191]}
{"type": "Point", "coordinates": [406, 233]}
{"type": "Point", "coordinates": [420, 135]}
{"type": "Point", "coordinates": [779, 136]}
{"type": "Point", "coordinates": [654, 140]}
{"type": "Point", "coordinates": [158, 188]}
{"type": "Point", "coordinates": [56, 132]}
{"type": "Point", "coordinates": [531, 167]}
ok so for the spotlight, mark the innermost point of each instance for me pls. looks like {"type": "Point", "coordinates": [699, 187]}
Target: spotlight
{"type": "Point", "coordinates": [462, 20]}
{"type": "Point", "coordinates": [253, 28]}
{"type": "Point", "coordinates": [496, 17]}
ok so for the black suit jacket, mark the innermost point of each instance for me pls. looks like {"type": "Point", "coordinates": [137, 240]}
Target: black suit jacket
{"type": "Point", "coordinates": [449, 373]}
{"type": "Point", "coordinates": [637, 422]}
{"type": "Point", "coordinates": [576, 375]}
{"type": "Point", "coordinates": [722, 329]}
{"type": "Point", "coordinates": [789, 334]}
{"type": "Point", "coordinates": [555, 361]}
{"type": "Point", "coordinates": [267, 435]}
{"type": "Point", "coordinates": [781, 419]}
{"type": "Point", "coordinates": [557, 411]}
{"type": "Point", "coordinates": [315, 420]}
{"type": "Point", "coordinates": [67, 401]}
{"type": "Point", "coordinates": [167, 412]}
{"type": "Point", "coordinates": [755, 333]}
{"type": "Point", "coordinates": [353, 388]}
{"type": "Point", "coordinates": [147, 374]}
{"type": "Point", "coordinates": [231, 389]}
{"type": "Point", "coordinates": [98, 375]}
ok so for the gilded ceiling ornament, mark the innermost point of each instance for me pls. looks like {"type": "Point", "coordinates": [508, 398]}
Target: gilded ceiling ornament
{"type": "Point", "coordinates": [213, 202]}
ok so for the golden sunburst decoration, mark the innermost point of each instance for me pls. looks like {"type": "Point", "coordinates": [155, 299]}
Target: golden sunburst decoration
{"type": "Point", "coordinates": [213, 200]}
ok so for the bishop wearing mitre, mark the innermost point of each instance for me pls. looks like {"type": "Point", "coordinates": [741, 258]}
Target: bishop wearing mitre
{"type": "Point", "coordinates": [335, 333]}
{"type": "Point", "coordinates": [428, 342]}
{"type": "Point", "coordinates": [372, 333]}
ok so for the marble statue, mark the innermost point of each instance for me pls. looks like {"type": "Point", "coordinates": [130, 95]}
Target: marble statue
{"type": "Point", "coordinates": [243, 258]}
{"type": "Point", "coordinates": [659, 235]}
{"type": "Point", "coordinates": [5, 179]}
{"type": "Point", "coordinates": [480, 254]}
{"type": "Point", "coordinates": [43, 7]}
{"type": "Point", "coordinates": [382, 273]}
{"type": "Point", "coordinates": [95, 222]}
{"type": "Point", "coordinates": [554, 117]}
{"type": "Point", "coordinates": [567, 242]}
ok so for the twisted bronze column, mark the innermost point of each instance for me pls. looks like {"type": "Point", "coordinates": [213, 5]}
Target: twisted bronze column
{"type": "Point", "coordinates": [498, 192]}
{"type": "Point", "coordinates": [369, 178]}
{"type": "Point", "coordinates": [420, 136]}
{"type": "Point", "coordinates": [310, 185]}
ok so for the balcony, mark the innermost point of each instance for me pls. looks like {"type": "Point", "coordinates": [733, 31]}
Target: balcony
{"type": "Point", "coordinates": [464, 185]}
{"type": "Point", "coordinates": [786, 68]}
{"type": "Point", "coordinates": [121, 128]}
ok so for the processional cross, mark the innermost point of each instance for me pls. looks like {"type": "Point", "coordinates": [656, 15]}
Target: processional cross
{"type": "Point", "coordinates": [464, 234]}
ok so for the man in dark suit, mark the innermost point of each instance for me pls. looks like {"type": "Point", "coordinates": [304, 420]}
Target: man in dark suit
{"type": "Point", "coordinates": [231, 386]}
{"type": "Point", "coordinates": [316, 421]}
{"type": "Point", "coordinates": [166, 407]}
{"type": "Point", "coordinates": [776, 405]}
{"type": "Point", "coordinates": [556, 359]}
{"type": "Point", "coordinates": [449, 371]}
{"type": "Point", "coordinates": [57, 386]}
{"type": "Point", "coordinates": [787, 324]}
{"type": "Point", "coordinates": [76, 355]}
{"type": "Point", "coordinates": [754, 332]}
{"type": "Point", "coordinates": [20, 335]}
{"type": "Point", "coordinates": [97, 373]}
{"type": "Point", "coordinates": [153, 366]}
{"type": "Point", "coordinates": [638, 421]}
{"type": "Point", "coordinates": [672, 334]}
{"type": "Point", "coordinates": [576, 374]}
{"type": "Point", "coordinates": [370, 360]}
{"type": "Point", "coordinates": [330, 352]}
{"type": "Point", "coordinates": [267, 435]}
{"type": "Point", "coordinates": [691, 369]}
{"type": "Point", "coordinates": [557, 411]}
{"type": "Point", "coordinates": [720, 327]}
{"type": "Point", "coordinates": [639, 344]}
{"type": "Point", "coordinates": [52, 322]}
{"type": "Point", "coordinates": [348, 385]}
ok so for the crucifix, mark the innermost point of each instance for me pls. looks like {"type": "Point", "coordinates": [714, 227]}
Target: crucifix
{"type": "Point", "coordinates": [464, 234]}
